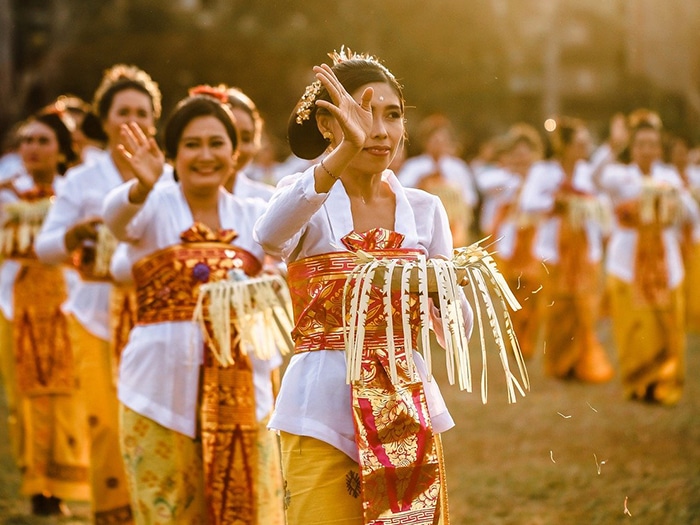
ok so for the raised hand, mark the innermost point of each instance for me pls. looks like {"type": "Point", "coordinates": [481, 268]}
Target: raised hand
{"type": "Point", "coordinates": [142, 155]}
{"type": "Point", "coordinates": [355, 119]}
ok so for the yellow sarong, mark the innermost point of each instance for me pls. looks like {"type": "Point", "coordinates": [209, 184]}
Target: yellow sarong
{"type": "Point", "coordinates": [93, 361]}
{"type": "Point", "coordinates": [322, 484]}
{"type": "Point", "coordinates": [54, 443]}
{"type": "Point", "coordinates": [650, 342]}
{"type": "Point", "coordinates": [167, 468]}
{"type": "Point", "coordinates": [571, 346]}
{"type": "Point", "coordinates": [7, 375]}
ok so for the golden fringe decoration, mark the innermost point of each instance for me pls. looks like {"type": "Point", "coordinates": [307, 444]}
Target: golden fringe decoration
{"type": "Point", "coordinates": [659, 202]}
{"type": "Point", "coordinates": [258, 309]}
{"type": "Point", "coordinates": [443, 278]}
{"type": "Point", "coordinates": [582, 210]}
{"type": "Point", "coordinates": [105, 246]}
{"type": "Point", "coordinates": [23, 220]}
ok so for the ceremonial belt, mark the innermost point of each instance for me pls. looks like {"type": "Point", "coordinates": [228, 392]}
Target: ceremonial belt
{"type": "Point", "coordinates": [316, 287]}
{"type": "Point", "coordinates": [167, 281]}
{"type": "Point", "coordinates": [167, 284]}
{"type": "Point", "coordinates": [399, 459]}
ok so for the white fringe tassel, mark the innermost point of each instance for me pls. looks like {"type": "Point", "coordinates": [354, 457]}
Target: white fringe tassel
{"type": "Point", "coordinates": [259, 309]}
{"type": "Point", "coordinates": [486, 283]}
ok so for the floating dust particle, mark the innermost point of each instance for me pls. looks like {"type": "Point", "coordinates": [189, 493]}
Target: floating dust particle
{"type": "Point", "coordinates": [591, 407]}
{"type": "Point", "coordinates": [519, 276]}
{"type": "Point", "coordinates": [535, 291]}
{"type": "Point", "coordinates": [599, 464]}
{"type": "Point", "coordinates": [551, 456]}
{"type": "Point", "coordinates": [545, 267]}
{"type": "Point", "coordinates": [564, 416]}
{"type": "Point", "coordinates": [550, 304]}
{"type": "Point", "coordinates": [627, 511]}
{"type": "Point", "coordinates": [544, 347]}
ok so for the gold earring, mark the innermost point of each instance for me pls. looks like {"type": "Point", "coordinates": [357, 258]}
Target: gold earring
{"type": "Point", "coordinates": [328, 136]}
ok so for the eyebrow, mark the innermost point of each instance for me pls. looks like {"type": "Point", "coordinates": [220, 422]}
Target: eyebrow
{"type": "Point", "coordinates": [390, 107]}
{"type": "Point", "coordinates": [200, 137]}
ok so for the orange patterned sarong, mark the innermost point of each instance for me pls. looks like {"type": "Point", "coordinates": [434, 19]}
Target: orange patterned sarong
{"type": "Point", "coordinates": [399, 461]}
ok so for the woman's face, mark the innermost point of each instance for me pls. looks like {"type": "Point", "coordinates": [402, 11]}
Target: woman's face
{"type": "Point", "coordinates": [205, 155]}
{"type": "Point", "coordinates": [249, 144]}
{"type": "Point", "coordinates": [679, 154]}
{"type": "Point", "coordinates": [129, 105]}
{"type": "Point", "coordinates": [440, 143]}
{"type": "Point", "coordinates": [521, 158]}
{"type": "Point", "coordinates": [386, 133]}
{"type": "Point", "coordinates": [39, 149]}
{"type": "Point", "coordinates": [646, 148]}
{"type": "Point", "coordinates": [580, 146]}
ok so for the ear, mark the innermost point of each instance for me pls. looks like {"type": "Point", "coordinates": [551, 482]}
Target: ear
{"type": "Point", "coordinates": [323, 121]}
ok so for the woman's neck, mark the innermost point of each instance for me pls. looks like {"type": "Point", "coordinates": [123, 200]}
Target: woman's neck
{"type": "Point", "coordinates": [231, 182]}
{"type": "Point", "coordinates": [204, 207]}
{"type": "Point", "coordinates": [646, 169]}
{"type": "Point", "coordinates": [43, 178]}
{"type": "Point", "coordinates": [363, 187]}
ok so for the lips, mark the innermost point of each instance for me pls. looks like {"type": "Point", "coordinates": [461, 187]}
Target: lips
{"type": "Point", "coordinates": [378, 150]}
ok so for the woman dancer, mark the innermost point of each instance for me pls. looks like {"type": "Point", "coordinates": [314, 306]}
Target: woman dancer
{"type": "Point", "coordinates": [316, 222]}
{"type": "Point", "coordinates": [194, 440]}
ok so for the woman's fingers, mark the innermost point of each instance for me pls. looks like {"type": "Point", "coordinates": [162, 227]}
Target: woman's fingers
{"type": "Point", "coordinates": [366, 99]}
{"type": "Point", "coordinates": [139, 133]}
{"type": "Point", "coordinates": [128, 140]}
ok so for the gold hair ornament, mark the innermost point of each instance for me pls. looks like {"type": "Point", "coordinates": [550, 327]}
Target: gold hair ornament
{"type": "Point", "coordinates": [308, 99]}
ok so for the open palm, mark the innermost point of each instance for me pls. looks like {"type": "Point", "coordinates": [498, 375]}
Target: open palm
{"type": "Point", "coordinates": [355, 119]}
{"type": "Point", "coordinates": [142, 154]}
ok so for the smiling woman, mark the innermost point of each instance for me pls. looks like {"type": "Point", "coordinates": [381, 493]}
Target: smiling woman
{"type": "Point", "coordinates": [179, 236]}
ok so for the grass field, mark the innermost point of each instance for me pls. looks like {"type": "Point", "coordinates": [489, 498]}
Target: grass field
{"type": "Point", "coordinates": [567, 453]}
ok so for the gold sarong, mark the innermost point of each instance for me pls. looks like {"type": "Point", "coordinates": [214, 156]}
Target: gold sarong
{"type": "Point", "coordinates": [399, 461]}
{"type": "Point", "coordinates": [54, 447]}
{"type": "Point", "coordinates": [572, 303]}
{"type": "Point", "coordinates": [650, 340]}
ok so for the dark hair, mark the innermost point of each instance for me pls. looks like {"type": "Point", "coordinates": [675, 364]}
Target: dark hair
{"type": "Point", "coordinates": [239, 100]}
{"type": "Point", "coordinates": [53, 120]}
{"type": "Point", "coordinates": [92, 128]}
{"type": "Point", "coordinates": [119, 78]}
{"type": "Point", "coordinates": [305, 139]}
{"type": "Point", "coordinates": [563, 135]}
{"type": "Point", "coordinates": [189, 109]}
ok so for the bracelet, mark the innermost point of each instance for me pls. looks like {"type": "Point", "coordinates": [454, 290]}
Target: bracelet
{"type": "Point", "coordinates": [323, 167]}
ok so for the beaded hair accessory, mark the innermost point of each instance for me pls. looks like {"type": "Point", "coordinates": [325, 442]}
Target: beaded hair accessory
{"type": "Point", "coordinates": [308, 99]}
{"type": "Point", "coordinates": [217, 92]}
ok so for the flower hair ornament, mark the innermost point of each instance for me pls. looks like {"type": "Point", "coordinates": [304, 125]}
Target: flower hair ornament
{"type": "Point", "coordinates": [217, 92]}
{"type": "Point", "coordinates": [308, 99]}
